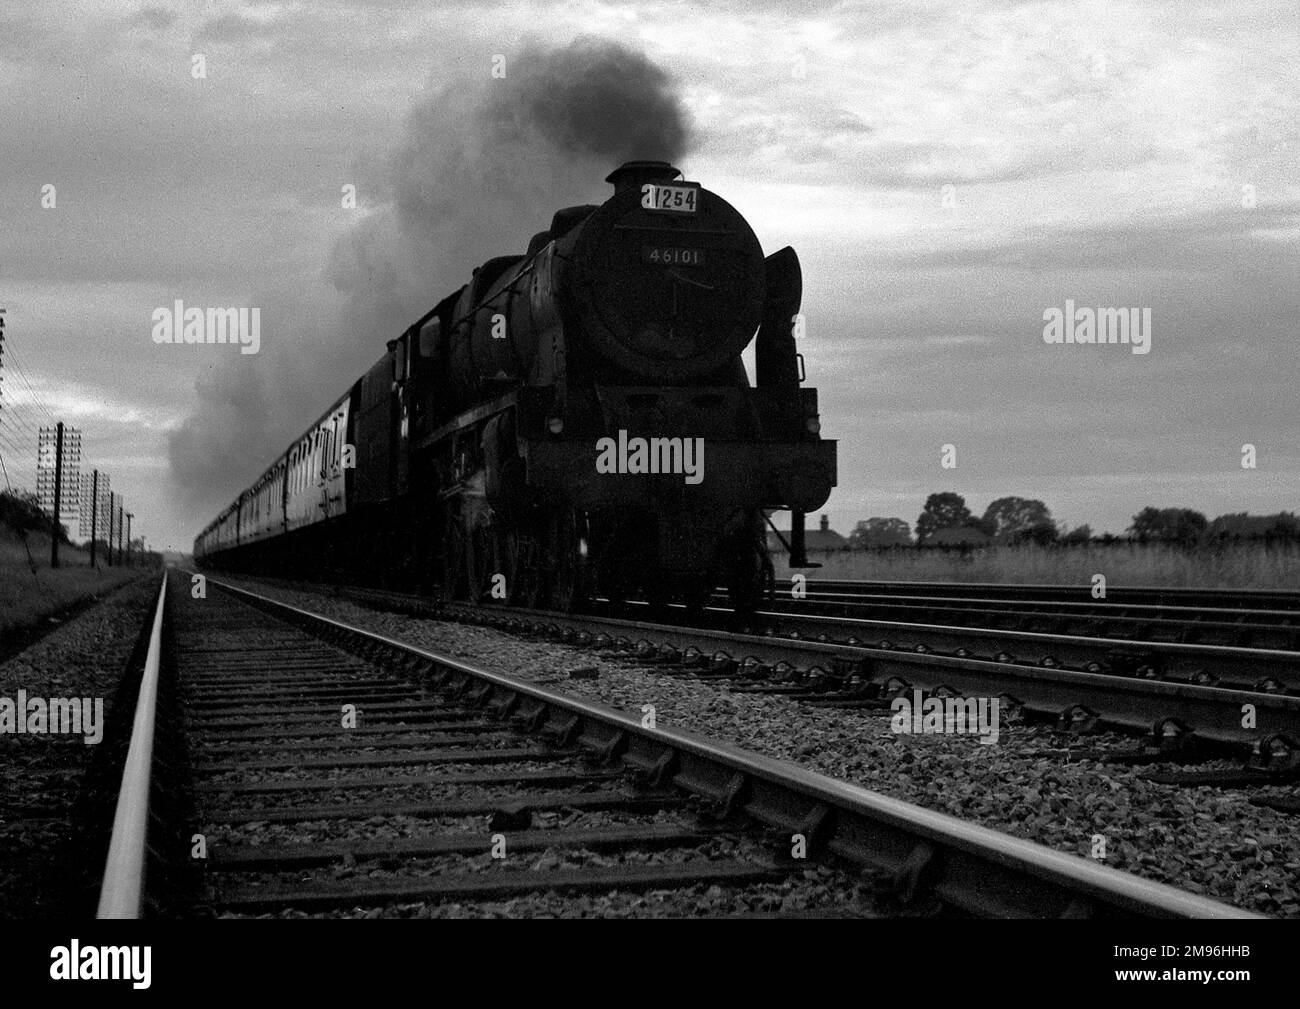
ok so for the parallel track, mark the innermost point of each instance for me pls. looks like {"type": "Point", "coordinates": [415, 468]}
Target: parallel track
{"type": "Point", "coordinates": [263, 700]}
{"type": "Point", "coordinates": [1267, 670]}
{"type": "Point", "coordinates": [1175, 694]}
{"type": "Point", "coordinates": [866, 676]}
{"type": "Point", "coordinates": [1188, 624]}
{"type": "Point", "coordinates": [1259, 599]}
{"type": "Point", "coordinates": [263, 684]}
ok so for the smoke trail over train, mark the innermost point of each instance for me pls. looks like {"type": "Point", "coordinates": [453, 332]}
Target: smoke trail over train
{"type": "Point", "coordinates": [477, 169]}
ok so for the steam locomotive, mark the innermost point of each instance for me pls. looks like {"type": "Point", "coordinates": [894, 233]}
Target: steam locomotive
{"type": "Point", "coordinates": [575, 421]}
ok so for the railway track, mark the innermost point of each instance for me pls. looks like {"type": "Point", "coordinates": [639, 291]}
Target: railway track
{"type": "Point", "coordinates": [1258, 599]}
{"type": "Point", "coordinates": [1266, 670]}
{"type": "Point", "coordinates": [1176, 716]}
{"type": "Point", "coordinates": [294, 804]}
{"type": "Point", "coordinates": [263, 700]}
{"type": "Point", "coordinates": [1178, 696]}
{"type": "Point", "coordinates": [1186, 624]}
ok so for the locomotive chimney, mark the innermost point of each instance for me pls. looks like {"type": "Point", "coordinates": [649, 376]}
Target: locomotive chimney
{"type": "Point", "coordinates": [634, 174]}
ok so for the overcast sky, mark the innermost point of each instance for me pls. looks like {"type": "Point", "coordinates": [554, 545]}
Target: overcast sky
{"type": "Point", "coordinates": [1118, 155]}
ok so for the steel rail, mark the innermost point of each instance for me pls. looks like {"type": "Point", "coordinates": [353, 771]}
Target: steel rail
{"type": "Point", "coordinates": [1187, 661]}
{"type": "Point", "coordinates": [970, 867]}
{"type": "Point", "coordinates": [1135, 704]}
{"type": "Point", "coordinates": [1134, 697]}
{"type": "Point", "coordinates": [1268, 670]}
{"type": "Point", "coordinates": [1047, 607]}
{"type": "Point", "coordinates": [122, 890]}
{"type": "Point", "coordinates": [1223, 625]}
{"type": "Point", "coordinates": [1184, 595]}
{"type": "Point", "coordinates": [1190, 627]}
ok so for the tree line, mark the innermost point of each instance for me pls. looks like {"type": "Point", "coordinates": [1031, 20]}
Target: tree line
{"type": "Point", "coordinates": [1015, 520]}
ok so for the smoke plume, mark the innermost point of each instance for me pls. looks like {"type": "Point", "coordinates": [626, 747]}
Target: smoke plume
{"type": "Point", "coordinates": [481, 165]}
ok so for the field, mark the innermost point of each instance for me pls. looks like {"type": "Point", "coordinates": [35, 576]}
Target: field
{"type": "Point", "coordinates": [27, 599]}
{"type": "Point", "coordinates": [1242, 565]}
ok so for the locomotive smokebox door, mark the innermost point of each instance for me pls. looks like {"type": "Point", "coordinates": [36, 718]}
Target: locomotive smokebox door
{"type": "Point", "coordinates": [667, 278]}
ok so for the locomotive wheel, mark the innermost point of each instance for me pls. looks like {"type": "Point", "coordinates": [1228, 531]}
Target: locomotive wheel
{"type": "Point", "coordinates": [454, 571]}
{"type": "Point", "coordinates": [696, 594]}
{"type": "Point", "coordinates": [516, 558]}
{"type": "Point", "coordinates": [469, 562]}
{"type": "Point", "coordinates": [615, 561]}
{"type": "Point", "coordinates": [748, 573]}
{"type": "Point", "coordinates": [568, 568]}
{"type": "Point", "coordinates": [611, 582]}
{"type": "Point", "coordinates": [658, 594]}
{"type": "Point", "coordinates": [745, 588]}
{"type": "Point", "coordinates": [479, 566]}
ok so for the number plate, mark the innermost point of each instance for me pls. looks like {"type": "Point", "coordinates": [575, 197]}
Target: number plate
{"type": "Point", "coordinates": [671, 255]}
{"type": "Point", "coordinates": [673, 199]}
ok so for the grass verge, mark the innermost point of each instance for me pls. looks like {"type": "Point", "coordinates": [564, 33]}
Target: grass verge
{"type": "Point", "coordinates": [33, 602]}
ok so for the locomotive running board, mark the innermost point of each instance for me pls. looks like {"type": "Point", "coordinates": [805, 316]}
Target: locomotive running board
{"type": "Point", "coordinates": [467, 418]}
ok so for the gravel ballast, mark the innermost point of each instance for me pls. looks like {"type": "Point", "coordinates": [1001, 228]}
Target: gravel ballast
{"type": "Point", "coordinates": [1205, 840]}
{"type": "Point", "coordinates": [41, 775]}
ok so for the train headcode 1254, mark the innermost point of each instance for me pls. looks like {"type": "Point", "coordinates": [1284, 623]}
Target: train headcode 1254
{"type": "Point", "coordinates": [673, 199]}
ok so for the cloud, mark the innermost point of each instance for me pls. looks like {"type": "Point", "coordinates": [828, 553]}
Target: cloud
{"type": "Point", "coordinates": [482, 163]}
{"type": "Point", "coordinates": [1117, 181]}
{"type": "Point", "coordinates": [156, 17]}
{"type": "Point", "coordinates": [234, 28]}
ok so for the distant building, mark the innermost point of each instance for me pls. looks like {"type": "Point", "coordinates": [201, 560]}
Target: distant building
{"type": "Point", "coordinates": [967, 536]}
{"type": "Point", "coordinates": [821, 538]}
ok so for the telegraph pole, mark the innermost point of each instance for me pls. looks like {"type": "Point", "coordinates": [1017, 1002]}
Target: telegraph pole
{"type": "Point", "coordinates": [58, 493]}
{"type": "Point", "coordinates": [2, 358]}
{"type": "Point", "coordinates": [112, 507]}
{"type": "Point", "coordinates": [94, 514]}
{"type": "Point", "coordinates": [129, 516]}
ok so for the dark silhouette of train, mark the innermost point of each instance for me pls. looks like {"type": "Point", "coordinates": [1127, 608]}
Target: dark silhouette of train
{"type": "Point", "coordinates": [575, 421]}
